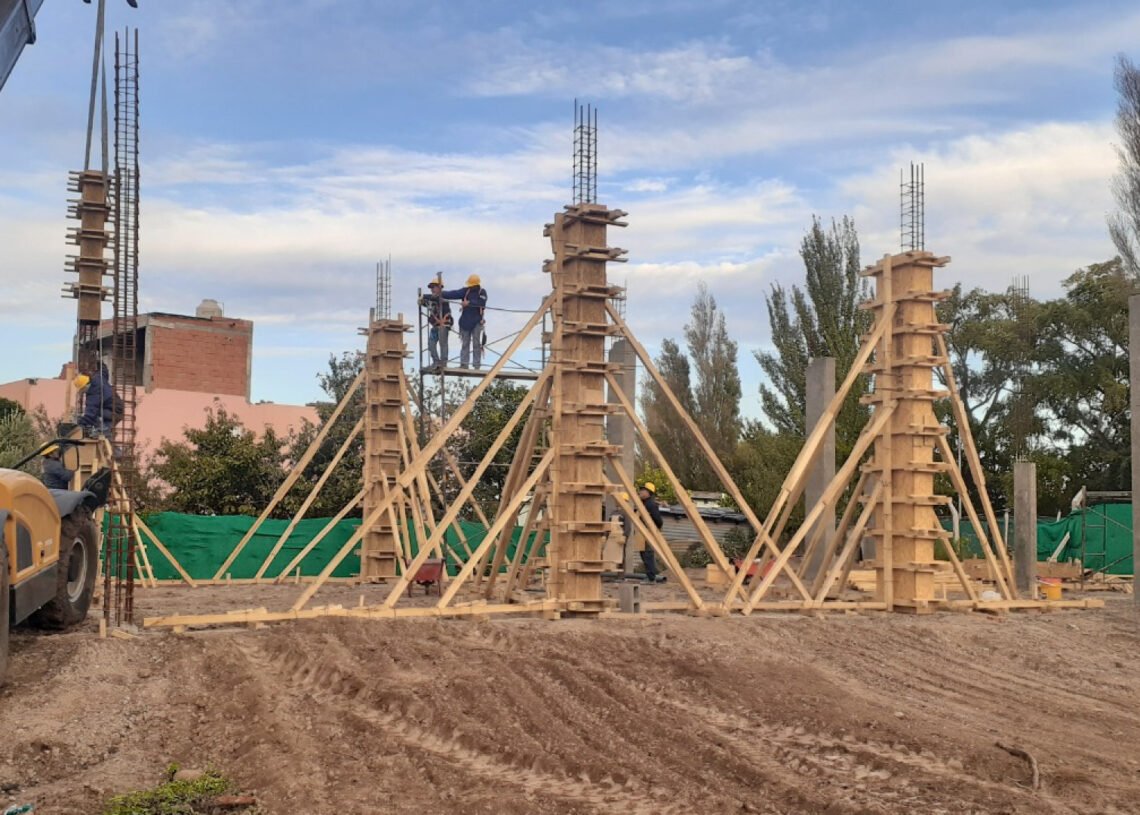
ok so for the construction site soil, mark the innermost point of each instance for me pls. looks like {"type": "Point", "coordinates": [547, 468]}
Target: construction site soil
{"type": "Point", "coordinates": [773, 713]}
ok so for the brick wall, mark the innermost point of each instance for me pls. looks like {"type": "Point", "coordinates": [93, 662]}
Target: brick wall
{"type": "Point", "coordinates": [204, 355]}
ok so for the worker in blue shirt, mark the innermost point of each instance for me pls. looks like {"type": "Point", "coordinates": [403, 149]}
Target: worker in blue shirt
{"type": "Point", "coordinates": [473, 300]}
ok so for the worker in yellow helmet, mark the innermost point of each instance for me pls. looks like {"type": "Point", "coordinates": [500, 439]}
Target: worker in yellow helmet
{"type": "Point", "coordinates": [472, 326]}
{"type": "Point", "coordinates": [56, 476]}
{"type": "Point", "coordinates": [647, 492]}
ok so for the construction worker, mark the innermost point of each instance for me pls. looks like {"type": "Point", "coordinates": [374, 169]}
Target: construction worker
{"type": "Point", "coordinates": [620, 528]}
{"type": "Point", "coordinates": [648, 495]}
{"type": "Point", "coordinates": [439, 320]}
{"type": "Point", "coordinates": [56, 476]}
{"type": "Point", "coordinates": [101, 407]}
{"type": "Point", "coordinates": [473, 298]}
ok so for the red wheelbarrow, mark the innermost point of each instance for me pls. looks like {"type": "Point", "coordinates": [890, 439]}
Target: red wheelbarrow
{"type": "Point", "coordinates": [428, 575]}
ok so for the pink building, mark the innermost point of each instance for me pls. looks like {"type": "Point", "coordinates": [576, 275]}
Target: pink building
{"type": "Point", "coordinates": [188, 365]}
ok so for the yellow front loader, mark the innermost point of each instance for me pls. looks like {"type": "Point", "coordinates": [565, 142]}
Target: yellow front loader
{"type": "Point", "coordinates": [49, 548]}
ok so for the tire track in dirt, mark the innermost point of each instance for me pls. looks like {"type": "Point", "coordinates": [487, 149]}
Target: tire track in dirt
{"type": "Point", "coordinates": [338, 688]}
{"type": "Point", "coordinates": [858, 770]}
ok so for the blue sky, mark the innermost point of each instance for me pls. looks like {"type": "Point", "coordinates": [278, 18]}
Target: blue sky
{"type": "Point", "coordinates": [288, 146]}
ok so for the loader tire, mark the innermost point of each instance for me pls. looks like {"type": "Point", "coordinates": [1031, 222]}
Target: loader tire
{"type": "Point", "coordinates": [75, 576]}
{"type": "Point", "coordinates": [5, 618]}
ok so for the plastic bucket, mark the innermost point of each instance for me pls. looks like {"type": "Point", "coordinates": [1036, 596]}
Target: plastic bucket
{"type": "Point", "coordinates": [1051, 589]}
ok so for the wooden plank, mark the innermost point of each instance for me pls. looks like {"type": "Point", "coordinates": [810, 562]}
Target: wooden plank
{"type": "Point", "coordinates": [840, 534]}
{"type": "Point", "coordinates": [536, 504]}
{"type": "Point", "coordinates": [294, 474]}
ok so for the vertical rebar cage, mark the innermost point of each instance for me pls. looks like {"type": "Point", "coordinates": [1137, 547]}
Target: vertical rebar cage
{"type": "Point", "coordinates": [912, 208]}
{"type": "Point", "coordinates": [585, 173]}
{"type": "Point", "coordinates": [120, 543]}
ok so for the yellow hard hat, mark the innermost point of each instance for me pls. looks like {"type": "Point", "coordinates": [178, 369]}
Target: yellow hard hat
{"type": "Point", "coordinates": [625, 496]}
{"type": "Point", "coordinates": [474, 280]}
{"type": "Point", "coordinates": [47, 451]}
{"type": "Point", "coordinates": [649, 486]}
{"type": "Point", "coordinates": [436, 283]}
{"type": "Point", "coordinates": [81, 381]}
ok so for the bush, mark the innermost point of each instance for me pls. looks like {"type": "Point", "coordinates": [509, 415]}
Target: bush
{"type": "Point", "coordinates": [173, 797]}
{"type": "Point", "coordinates": [735, 545]}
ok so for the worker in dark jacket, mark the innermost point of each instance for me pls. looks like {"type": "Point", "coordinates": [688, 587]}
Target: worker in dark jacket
{"type": "Point", "coordinates": [648, 495]}
{"type": "Point", "coordinates": [473, 299]}
{"type": "Point", "coordinates": [99, 402]}
{"type": "Point", "coordinates": [439, 320]}
{"type": "Point", "coordinates": [56, 476]}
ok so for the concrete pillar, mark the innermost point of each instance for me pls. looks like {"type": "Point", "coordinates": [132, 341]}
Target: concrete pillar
{"type": "Point", "coordinates": [1134, 373]}
{"type": "Point", "coordinates": [1025, 527]}
{"type": "Point", "coordinates": [619, 428]}
{"type": "Point", "coordinates": [820, 392]}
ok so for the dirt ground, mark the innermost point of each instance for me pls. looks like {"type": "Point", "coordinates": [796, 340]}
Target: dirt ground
{"type": "Point", "coordinates": [774, 713]}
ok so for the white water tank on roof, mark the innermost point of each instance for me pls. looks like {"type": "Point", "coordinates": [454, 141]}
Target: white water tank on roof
{"type": "Point", "coordinates": [208, 309]}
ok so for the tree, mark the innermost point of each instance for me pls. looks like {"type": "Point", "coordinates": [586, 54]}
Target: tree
{"type": "Point", "coordinates": [671, 436]}
{"type": "Point", "coordinates": [1124, 225]}
{"type": "Point", "coordinates": [1081, 381]}
{"type": "Point", "coordinates": [17, 437]}
{"type": "Point", "coordinates": [706, 383]}
{"type": "Point", "coordinates": [823, 319]}
{"type": "Point", "coordinates": [716, 393]}
{"type": "Point", "coordinates": [991, 340]}
{"type": "Point", "coordinates": [9, 407]}
{"type": "Point", "coordinates": [346, 480]}
{"type": "Point", "coordinates": [222, 468]}
{"type": "Point", "coordinates": [478, 431]}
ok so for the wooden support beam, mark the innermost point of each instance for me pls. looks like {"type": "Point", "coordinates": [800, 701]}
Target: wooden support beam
{"type": "Point", "coordinates": [294, 474]}
{"type": "Point", "coordinates": [165, 552]}
{"type": "Point", "coordinates": [966, 435]}
{"type": "Point", "coordinates": [869, 434]}
{"type": "Point", "coordinates": [690, 508]}
{"type": "Point", "coordinates": [430, 449]}
{"type": "Point", "coordinates": [488, 539]}
{"type": "Point", "coordinates": [638, 516]}
{"type": "Point", "coordinates": [848, 551]}
{"type": "Point", "coordinates": [537, 503]}
{"type": "Point", "coordinates": [1000, 575]}
{"type": "Point", "coordinates": [310, 498]}
{"type": "Point", "coordinates": [796, 478]}
{"type": "Point", "coordinates": [840, 533]}
{"type": "Point", "coordinates": [320, 536]}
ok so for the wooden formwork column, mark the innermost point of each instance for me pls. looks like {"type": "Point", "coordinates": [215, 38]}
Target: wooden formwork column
{"type": "Point", "coordinates": [579, 405]}
{"type": "Point", "coordinates": [906, 526]}
{"type": "Point", "coordinates": [92, 211]}
{"type": "Point", "coordinates": [383, 402]}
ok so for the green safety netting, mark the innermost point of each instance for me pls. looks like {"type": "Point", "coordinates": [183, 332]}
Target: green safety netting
{"type": "Point", "coordinates": [202, 543]}
{"type": "Point", "coordinates": [1099, 536]}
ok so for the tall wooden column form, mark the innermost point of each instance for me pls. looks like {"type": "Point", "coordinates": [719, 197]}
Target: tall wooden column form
{"type": "Point", "coordinates": [92, 211]}
{"type": "Point", "coordinates": [579, 406]}
{"type": "Point", "coordinates": [905, 525]}
{"type": "Point", "coordinates": [385, 352]}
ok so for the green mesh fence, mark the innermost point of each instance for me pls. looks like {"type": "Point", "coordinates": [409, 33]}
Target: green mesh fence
{"type": "Point", "coordinates": [1100, 536]}
{"type": "Point", "coordinates": [202, 543]}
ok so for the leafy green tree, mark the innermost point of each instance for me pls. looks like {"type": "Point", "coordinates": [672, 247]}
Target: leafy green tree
{"type": "Point", "coordinates": [478, 431]}
{"type": "Point", "coordinates": [991, 341]}
{"type": "Point", "coordinates": [1081, 380]}
{"type": "Point", "coordinates": [706, 383]}
{"type": "Point", "coordinates": [1124, 224]}
{"type": "Point", "coordinates": [17, 438]}
{"type": "Point", "coordinates": [9, 407]}
{"type": "Point", "coordinates": [716, 392]}
{"type": "Point", "coordinates": [670, 435]}
{"type": "Point", "coordinates": [821, 320]}
{"type": "Point", "coordinates": [346, 480]}
{"type": "Point", "coordinates": [222, 468]}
